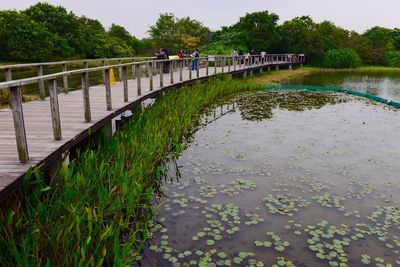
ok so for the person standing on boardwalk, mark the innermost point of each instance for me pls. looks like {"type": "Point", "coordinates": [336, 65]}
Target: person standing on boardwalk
{"type": "Point", "coordinates": [167, 63]}
{"type": "Point", "coordinates": [161, 56]}
{"type": "Point", "coordinates": [181, 55]}
{"type": "Point", "coordinates": [195, 55]}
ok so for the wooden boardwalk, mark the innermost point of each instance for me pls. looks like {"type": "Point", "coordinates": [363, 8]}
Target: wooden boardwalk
{"type": "Point", "coordinates": [39, 128]}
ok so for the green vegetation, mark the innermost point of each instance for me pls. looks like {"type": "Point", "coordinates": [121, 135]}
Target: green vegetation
{"type": "Point", "coordinates": [174, 33]}
{"type": "Point", "coordinates": [341, 58]}
{"type": "Point", "coordinates": [100, 211]}
{"type": "Point", "coordinates": [44, 32]}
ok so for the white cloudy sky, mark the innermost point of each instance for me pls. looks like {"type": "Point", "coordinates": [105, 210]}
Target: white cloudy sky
{"type": "Point", "coordinates": [136, 16]}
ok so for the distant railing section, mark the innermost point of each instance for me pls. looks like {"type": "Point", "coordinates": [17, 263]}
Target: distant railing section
{"type": "Point", "coordinates": [148, 67]}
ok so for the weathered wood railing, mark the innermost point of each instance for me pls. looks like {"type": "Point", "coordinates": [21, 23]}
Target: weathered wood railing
{"type": "Point", "coordinates": [148, 67]}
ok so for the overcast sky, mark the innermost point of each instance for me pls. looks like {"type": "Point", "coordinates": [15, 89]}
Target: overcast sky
{"type": "Point", "coordinates": [137, 15]}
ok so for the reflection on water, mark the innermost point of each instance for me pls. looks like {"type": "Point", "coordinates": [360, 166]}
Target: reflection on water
{"type": "Point", "coordinates": [286, 178]}
{"type": "Point", "coordinates": [382, 84]}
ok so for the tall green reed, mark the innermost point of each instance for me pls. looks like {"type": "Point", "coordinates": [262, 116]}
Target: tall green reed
{"type": "Point", "coordinates": [98, 215]}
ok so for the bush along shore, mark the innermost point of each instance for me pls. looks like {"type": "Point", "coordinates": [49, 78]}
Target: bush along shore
{"type": "Point", "coordinates": [99, 213]}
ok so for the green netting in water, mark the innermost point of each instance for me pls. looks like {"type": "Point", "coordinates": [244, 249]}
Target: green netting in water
{"type": "Point", "coordinates": [333, 89]}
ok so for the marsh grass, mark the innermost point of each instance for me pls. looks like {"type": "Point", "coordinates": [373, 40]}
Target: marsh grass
{"type": "Point", "coordinates": [99, 213]}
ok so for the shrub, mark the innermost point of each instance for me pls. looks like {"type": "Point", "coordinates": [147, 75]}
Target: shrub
{"type": "Point", "coordinates": [341, 58]}
{"type": "Point", "coordinates": [393, 58]}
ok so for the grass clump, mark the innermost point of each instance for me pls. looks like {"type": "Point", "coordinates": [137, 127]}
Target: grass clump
{"type": "Point", "coordinates": [341, 58]}
{"type": "Point", "coordinates": [99, 213]}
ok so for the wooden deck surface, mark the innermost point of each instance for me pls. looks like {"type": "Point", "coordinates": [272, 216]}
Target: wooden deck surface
{"type": "Point", "coordinates": [39, 126]}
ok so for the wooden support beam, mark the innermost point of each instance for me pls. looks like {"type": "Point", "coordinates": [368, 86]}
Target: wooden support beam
{"type": "Point", "coordinates": [151, 68]}
{"type": "Point", "coordinates": [8, 74]}
{"type": "Point", "coordinates": [181, 63]}
{"type": "Point", "coordinates": [42, 91]}
{"type": "Point", "coordinates": [138, 79]}
{"type": "Point", "coordinates": [120, 70]}
{"type": "Point", "coordinates": [161, 74]}
{"type": "Point", "coordinates": [19, 123]}
{"type": "Point", "coordinates": [65, 78]}
{"type": "Point", "coordinates": [171, 71]}
{"type": "Point", "coordinates": [108, 90]}
{"type": "Point", "coordinates": [55, 110]}
{"type": "Point", "coordinates": [103, 72]}
{"type": "Point", "coordinates": [125, 82]}
{"type": "Point", "coordinates": [86, 99]}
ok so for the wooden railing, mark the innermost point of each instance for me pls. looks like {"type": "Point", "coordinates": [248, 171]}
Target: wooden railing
{"type": "Point", "coordinates": [148, 67]}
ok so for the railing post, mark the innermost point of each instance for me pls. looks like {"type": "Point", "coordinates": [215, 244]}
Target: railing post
{"type": "Point", "coordinates": [120, 70]}
{"type": "Point", "coordinates": [198, 69]}
{"type": "Point", "coordinates": [55, 110]}
{"type": "Point", "coordinates": [103, 72]}
{"type": "Point", "coordinates": [223, 64]}
{"type": "Point", "coordinates": [86, 65]}
{"type": "Point", "coordinates": [215, 64]}
{"type": "Point", "coordinates": [133, 71]}
{"type": "Point", "coordinates": [190, 72]}
{"type": "Point", "coordinates": [42, 91]}
{"type": "Point", "coordinates": [8, 74]}
{"type": "Point", "coordinates": [161, 74]}
{"type": "Point", "coordinates": [151, 75]}
{"type": "Point", "coordinates": [85, 92]}
{"type": "Point", "coordinates": [229, 64]}
{"type": "Point", "coordinates": [171, 71]}
{"type": "Point", "coordinates": [108, 90]}
{"type": "Point", "coordinates": [19, 123]}
{"type": "Point", "coordinates": [181, 62]}
{"type": "Point", "coordinates": [207, 67]}
{"type": "Point", "coordinates": [65, 78]}
{"type": "Point", "coordinates": [139, 83]}
{"type": "Point", "coordinates": [125, 82]}
{"type": "Point", "coordinates": [147, 69]}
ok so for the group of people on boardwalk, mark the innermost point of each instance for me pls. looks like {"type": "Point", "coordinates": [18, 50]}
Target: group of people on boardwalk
{"type": "Point", "coordinates": [249, 58]}
{"type": "Point", "coordinates": [163, 54]}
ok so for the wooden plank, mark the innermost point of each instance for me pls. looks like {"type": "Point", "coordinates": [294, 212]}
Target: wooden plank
{"type": "Point", "coordinates": [55, 111]}
{"type": "Point", "coordinates": [42, 92]}
{"type": "Point", "coordinates": [138, 80]}
{"type": "Point", "coordinates": [19, 125]}
{"type": "Point", "coordinates": [8, 74]}
{"type": "Point", "coordinates": [150, 69]}
{"type": "Point", "coordinates": [108, 90]}
{"type": "Point", "coordinates": [125, 82]}
{"type": "Point", "coordinates": [86, 99]}
{"type": "Point", "coordinates": [65, 78]}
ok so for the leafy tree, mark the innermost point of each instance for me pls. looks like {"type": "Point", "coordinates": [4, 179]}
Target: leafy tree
{"type": "Point", "coordinates": [23, 39]}
{"type": "Point", "coordinates": [64, 25]}
{"type": "Point", "coordinates": [299, 36]}
{"type": "Point", "coordinates": [173, 33]}
{"type": "Point", "coordinates": [256, 30]}
{"type": "Point", "coordinates": [122, 34]}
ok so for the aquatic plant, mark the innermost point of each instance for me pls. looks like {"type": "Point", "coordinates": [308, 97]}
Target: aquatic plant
{"type": "Point", "coordinates": [100, 212]}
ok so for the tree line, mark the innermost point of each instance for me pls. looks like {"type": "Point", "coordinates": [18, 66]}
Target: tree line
{"type": "Point", "coordinates": [48, 32]}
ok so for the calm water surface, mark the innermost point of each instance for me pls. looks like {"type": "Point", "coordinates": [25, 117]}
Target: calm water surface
{"type": "Point", "coordinates": [293, 179]}
{"type": "Point", "coordinates": [384, 84]}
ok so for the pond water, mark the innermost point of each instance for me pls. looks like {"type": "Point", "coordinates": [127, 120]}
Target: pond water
{"type": "Point", "coordinates": [383, 84]}
{"type": "Point", "coordinates": [286, 178]}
